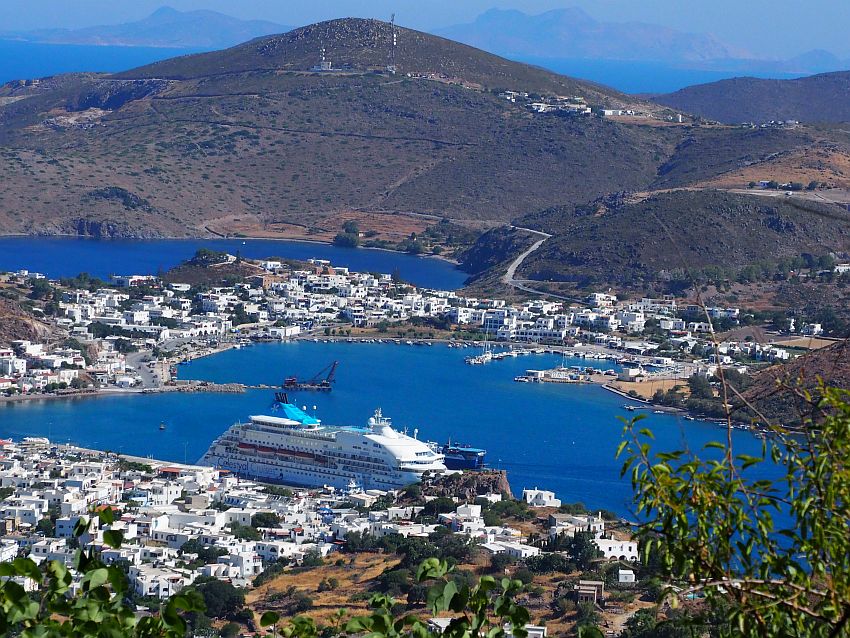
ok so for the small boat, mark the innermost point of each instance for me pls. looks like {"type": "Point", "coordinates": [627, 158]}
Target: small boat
{"type": "Point", "coordinates": [689, 418]}
{"type": "Point", "coordinates": [162, 426]}
{"type": "Point", "coordinates": [630, 408]}
{"type": "Point", "coordinates": [658, 411]}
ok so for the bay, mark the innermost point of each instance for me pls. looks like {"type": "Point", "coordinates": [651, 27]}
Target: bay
{"type": "Point", "coordinates": [641, 76]}
{"type": "Point", "coordinates": [69, 256]}
{"type": "Point", "coordinates": [557, 437]}
{"type": "Point", "coordinates": [25, 60]}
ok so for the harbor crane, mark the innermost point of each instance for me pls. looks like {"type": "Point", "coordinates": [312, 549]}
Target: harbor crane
{"type": "Point", "coordinates": [320, 381]}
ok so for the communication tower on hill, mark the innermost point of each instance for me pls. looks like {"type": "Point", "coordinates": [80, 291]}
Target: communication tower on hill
{"type": "Point", "coordinates": [324, 64]}
{"type": "Point", "coordinates": [392, 67]}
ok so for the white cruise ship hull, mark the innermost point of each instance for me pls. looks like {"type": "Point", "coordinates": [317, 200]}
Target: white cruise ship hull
{"type": "Point", "coordinates": [296, 450]}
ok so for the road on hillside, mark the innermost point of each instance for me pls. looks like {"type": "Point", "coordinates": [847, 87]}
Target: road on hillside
{"type": "Point", "coordinates": [523, 284]}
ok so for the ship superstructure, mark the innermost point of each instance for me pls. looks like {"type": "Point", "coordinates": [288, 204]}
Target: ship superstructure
{"type": "Point", "coordinates": [297, 449]}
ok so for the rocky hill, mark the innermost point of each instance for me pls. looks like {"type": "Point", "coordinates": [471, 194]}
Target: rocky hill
{"type": "Point", "coordinates": [776, 392]}
{"type": "Point", "coordinates": [469, 485]}
{"type": "Point", "coordinates": [622, 242]}
{"type": "Point", "coordinates": [16, 323]}
{"type": "Point", "coordinates": [252, 141]}
{"type": "Point", "coordinates": [356, 44]}
{"type": "Point", "coordinates": [817, 98]}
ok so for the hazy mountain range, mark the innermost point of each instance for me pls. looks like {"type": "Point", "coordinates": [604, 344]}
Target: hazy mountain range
{"type": "Point", "coordinates": [165, 27]}
{"type": "Point", "coordinates": [571, 33]}
{"type": "Point", "coordinates": [634, 57]}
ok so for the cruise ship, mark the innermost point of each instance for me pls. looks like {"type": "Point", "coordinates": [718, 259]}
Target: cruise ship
{"type": "Point", "coordinates": [296, 449]}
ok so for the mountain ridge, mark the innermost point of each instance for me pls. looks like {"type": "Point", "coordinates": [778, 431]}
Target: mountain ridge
{"type": "Point", "coordinates": [824, 97]}
{"type": "Point", "coordinates": [513, 32]}
{"type": "Point", "coordinates": [165, 27]}
{"type": "Point", "coordinates": [251, 140]}
{"type": "Point", "coordinates": [362, 43]}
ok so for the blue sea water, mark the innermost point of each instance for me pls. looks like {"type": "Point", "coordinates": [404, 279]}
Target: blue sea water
{"type": "Point", "coordinates": [25, 60]}
{"type": "Point", "coordinates": [68, 256]}
{"type": "Point", "coordinates": [644, 77]}
{"type": "Point", "coordinates": [552, 436]}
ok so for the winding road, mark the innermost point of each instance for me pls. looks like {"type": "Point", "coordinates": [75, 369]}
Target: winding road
{"type": "Point", "coordinates": [509, 278]}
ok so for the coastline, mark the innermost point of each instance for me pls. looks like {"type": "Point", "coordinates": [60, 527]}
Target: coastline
{"type": "Point", "coordinates": [213, 236]}
{"type": "Point", "coordinates": [201, 385]}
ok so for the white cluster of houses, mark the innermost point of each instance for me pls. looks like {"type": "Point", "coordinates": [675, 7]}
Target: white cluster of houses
{"type": "Point", "coordinates": [165, 315]}
{"type": "Point", "coordinates": [574, 105]}
{"type": "Point", "coordinates": [28, 367]}
{"type": "Point", "coordinates": [553, 321]}
{"type": "Point", "coordinates": [159, 508]}
{"type": "Point", "coordinates": [282, 302]}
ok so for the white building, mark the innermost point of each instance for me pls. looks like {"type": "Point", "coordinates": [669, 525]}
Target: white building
{"type": "Point", "coordinates": [613, 549]}
{"type": "Point", "coordinates": [540, 498]}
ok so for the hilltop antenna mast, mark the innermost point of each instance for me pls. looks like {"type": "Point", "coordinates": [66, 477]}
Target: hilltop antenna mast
{"type": "Point", "coordinates": [392, 67]}
{"type": "Point", "coordinates": [323, 65]}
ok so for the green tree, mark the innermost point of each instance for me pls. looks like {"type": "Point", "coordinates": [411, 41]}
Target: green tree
{"type": "Point", "coordinates": [587, 617]}
{"type": "Point", "coordinates": [582, 550]}
{"type": "Point", "coordinates": [40, 289]}
{"type": "Point", "coordinates": [245, 532]}
{"type": "Point", "coordinates": [439, 505]}
{"type": "Point", "coordinates": [346, 240]}
{"type": "Point", "coordinates": [644, 624]}
{"type": "Point", "coordinates": [265, 519]}
{"type": "Point", "coordinates": [773, 555]}
{"type": "Point", "coordinates": [45, 526]}
{"type": "Point", "coordinates": [700, 387]}
{"type": "Point", "coordinates": [221, 599]}
{"type": "Point", "coordinates": [206, 553]}
{"type": "Point", "coordinates": [98, 608]}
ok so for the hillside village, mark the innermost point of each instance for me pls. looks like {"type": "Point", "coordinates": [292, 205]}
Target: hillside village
{"type": "Point", "coordinates": [182, 525]}
{"type": "Point", "coordinates": [132, 333]}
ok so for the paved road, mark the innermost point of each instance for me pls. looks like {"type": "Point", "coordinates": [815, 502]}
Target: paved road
{"type": "Point", "coordinates": [523, 284]}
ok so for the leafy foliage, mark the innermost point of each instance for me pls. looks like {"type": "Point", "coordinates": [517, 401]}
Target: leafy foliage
{"type": "Point", "coordinates": [265, 519]}
{"type": "Point", "coordinates": [221, 599]}
{"type": "Point", "coordinates": [774, 553]}
{"type": "Point", "coordinates": [98, 608]}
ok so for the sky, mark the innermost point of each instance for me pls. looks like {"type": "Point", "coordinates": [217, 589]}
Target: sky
{"type": "Point", "coordinates": [767, 28]}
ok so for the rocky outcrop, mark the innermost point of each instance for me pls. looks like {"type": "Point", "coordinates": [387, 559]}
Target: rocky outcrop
{"type": "Point", "coordinates": [16, 324]}
{"type": "Point", "coordinates": [469, 485]}
{"type": "Point", "coordinates": [495, 247]}
{"type": "Point", "coordinates": [109, 94]}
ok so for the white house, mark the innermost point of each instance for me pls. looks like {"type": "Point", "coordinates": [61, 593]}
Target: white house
{"type": "Point", "coordinates": [540, 498]}
{"type": "Point", "coordinates": [614, 549]}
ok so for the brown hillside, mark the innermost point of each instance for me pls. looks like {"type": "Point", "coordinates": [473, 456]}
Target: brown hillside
{"type": "Point", "coordinates": [249, 140]}
{"type": "Point", "coordinates": [635, 244]}
{"type": "Point", "coordinates": [818, 98]}
{"type": "Point", "coordinates": [16, 323]}
{"type": "Point", "coordinates": [772, 393]}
